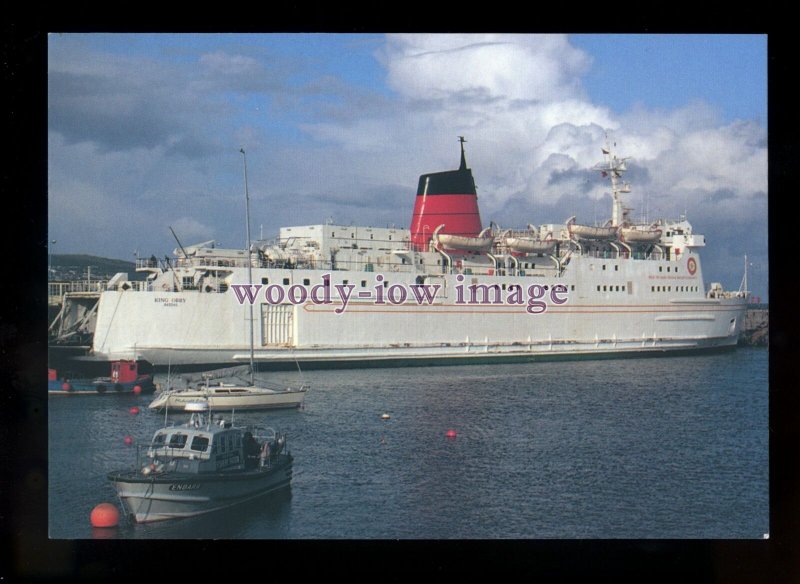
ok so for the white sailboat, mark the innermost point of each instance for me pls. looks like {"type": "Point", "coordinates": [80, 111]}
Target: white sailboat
{"type": "Point", "coordinates": [233, 396]}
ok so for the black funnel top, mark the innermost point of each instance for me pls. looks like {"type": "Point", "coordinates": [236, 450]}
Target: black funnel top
{"type": "Point", "coordinates": [450, 182]}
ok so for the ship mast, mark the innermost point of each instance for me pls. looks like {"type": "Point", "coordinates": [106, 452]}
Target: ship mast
{"type": "Point", "coordinates": [249, 263]}
{"type": "Point", "coordinates": [614, 167]}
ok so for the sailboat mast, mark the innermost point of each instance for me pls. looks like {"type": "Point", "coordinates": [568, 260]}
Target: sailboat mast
{"type": "Point", "coordinates": [249, 262]}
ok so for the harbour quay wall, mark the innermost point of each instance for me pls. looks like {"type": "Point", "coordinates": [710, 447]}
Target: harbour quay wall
{"type": "Point", "coordinates": [756, 327]}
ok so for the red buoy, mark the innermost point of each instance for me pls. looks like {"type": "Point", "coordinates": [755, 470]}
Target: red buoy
{"type": "Point", "coordinates": [451, 434]}
{"type": "Point", "coordinates": [134, 410]}
{"type": "Point", "coordinates": [137, 389]}
{"type": "Point", "coordinates": [128, 440]}
{"type": "Point", "coordinates": [105, 515]}
{"type": "Point", "coordinates": [66, 386]}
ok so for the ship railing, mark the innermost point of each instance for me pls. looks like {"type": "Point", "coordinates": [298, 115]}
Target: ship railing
{"type": "Point", "coordinates": [57, 290]}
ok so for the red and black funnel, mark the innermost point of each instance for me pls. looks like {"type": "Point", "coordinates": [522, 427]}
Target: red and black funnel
{"type": "Point", "coordinates": [446, 198]}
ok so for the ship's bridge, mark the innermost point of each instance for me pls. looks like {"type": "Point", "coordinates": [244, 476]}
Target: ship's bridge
{"type": "Point", "coordinates": [678, 234]}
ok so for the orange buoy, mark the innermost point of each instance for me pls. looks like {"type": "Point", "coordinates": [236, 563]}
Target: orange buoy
{"type": "Point", "coordinates": [137, 389]}
{"type": "Point", "coordinates": [451, 434]}
{"type": "Point", "coordinates": [105, 515]}
{"type": "Point", "coordinates": [66, 386]}
{"type": "Point", "coordinates": [134, 410]}
{"type": "Point", "coordinates": [128, 440]}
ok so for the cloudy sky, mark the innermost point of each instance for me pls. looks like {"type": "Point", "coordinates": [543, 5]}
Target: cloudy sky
{"type": "Point", "coordinates": [145, 131]}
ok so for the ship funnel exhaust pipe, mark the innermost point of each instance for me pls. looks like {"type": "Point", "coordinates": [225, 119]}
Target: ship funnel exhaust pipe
{"type": "Point", "coordinates": [448, 198]}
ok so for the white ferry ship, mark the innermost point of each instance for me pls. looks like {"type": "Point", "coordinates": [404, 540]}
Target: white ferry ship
{"type": "Point", "coordinates": [337, 295]}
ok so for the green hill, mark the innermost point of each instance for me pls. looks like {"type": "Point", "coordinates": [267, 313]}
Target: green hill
{"type": "Point", "coordinates": [76, 266]}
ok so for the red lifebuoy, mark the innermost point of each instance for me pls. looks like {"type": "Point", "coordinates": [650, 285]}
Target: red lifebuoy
{"type": "Point", "coordinates": [691, 265]}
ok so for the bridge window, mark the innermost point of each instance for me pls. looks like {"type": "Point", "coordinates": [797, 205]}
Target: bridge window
{"type": "Point", "coordinates": [177, 440]}
{"type": "Point", "coordinates": [199, 443]}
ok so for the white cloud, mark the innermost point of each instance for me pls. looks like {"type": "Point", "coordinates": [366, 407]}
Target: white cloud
{"type": "Point", "coordinates": [533, 134]}
{"type": "Point", "coordinates": [509, 66]}
{"type": "Point", "coordinates": [189, 229]}
{"type": "Point", "coordinates": [223, 63]}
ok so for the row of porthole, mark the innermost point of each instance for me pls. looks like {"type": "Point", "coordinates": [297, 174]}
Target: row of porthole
{"type": "Point", "coordinates": [660, 268]}
{"type": "Point", "coordinates": [669, 288]}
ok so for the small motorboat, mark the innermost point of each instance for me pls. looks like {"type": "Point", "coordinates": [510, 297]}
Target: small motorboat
{"type": "Point", "coordinates": [124, 379]}
{"type": "Point", "coordinates": [201, 466]}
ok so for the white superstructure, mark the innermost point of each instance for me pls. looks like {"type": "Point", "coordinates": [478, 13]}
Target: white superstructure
{"type": "Point", "coordinates": [342, 295]}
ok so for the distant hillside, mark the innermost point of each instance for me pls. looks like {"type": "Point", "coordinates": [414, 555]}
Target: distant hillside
{"type": "Point", "coordinates": [75, 267]}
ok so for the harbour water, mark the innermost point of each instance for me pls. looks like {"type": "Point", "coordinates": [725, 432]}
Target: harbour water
{"type": "Point", "coordinates": [667, 447]}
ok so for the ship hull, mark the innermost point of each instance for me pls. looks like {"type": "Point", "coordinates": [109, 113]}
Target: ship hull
{"type": "Point", "coordinates": [177, 496]}
{"type": "Point", "coordinates": [174, 328]}
{"type": "Point", "coordinates": [197, 360]}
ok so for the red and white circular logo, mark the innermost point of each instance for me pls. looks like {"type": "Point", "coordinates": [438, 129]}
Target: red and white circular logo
{"type": "Point", "coordinates": [691, 265]}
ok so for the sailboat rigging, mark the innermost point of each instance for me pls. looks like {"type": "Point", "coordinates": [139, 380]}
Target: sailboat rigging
{"type": "Point", "coordinates": [229, 396]}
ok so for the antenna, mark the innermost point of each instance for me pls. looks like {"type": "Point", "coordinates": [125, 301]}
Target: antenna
{"type": "Point", "coordinates": [249, 262]}
{"type": "Point", "coordinates": [743, 285]}
{"type": "Point", "coordinates": [463, 157]}
{"type": "Point", "coordinates": [185, 255]}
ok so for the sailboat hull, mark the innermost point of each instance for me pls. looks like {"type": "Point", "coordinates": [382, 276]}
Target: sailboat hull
{"type": "Point", "coordinates": [231, 398]}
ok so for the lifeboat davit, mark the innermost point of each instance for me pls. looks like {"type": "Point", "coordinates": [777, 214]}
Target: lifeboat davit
{"type": "Point", "coordinates": [639, 234]}
{"type": "Point", "coordinates": [530, 245]}
{"type": "Point", "coordinates": [588, 232]}
{"type": "Point", "coordinates": [483, 242]}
